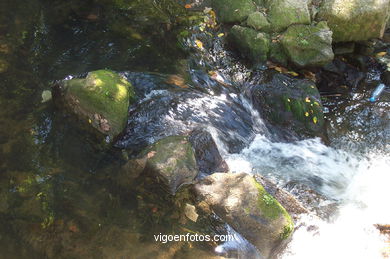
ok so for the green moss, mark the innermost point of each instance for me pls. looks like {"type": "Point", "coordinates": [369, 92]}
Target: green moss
{"type": "Point", "coordinates": [283, 13]}
{"type": "Point", "coordinates": [232, 11]}
{"type": "Point", "coordinates": [102, 93]}
{"type": "Point", "coordinates": [251, 43]}
{"type": "Point", "coordinates": [271, 209]}
{"type": "Point", "coordinates": [268, 205]}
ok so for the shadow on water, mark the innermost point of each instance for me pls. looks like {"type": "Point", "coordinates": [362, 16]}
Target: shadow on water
{"type": "Point", "coordinates": [58, 198]}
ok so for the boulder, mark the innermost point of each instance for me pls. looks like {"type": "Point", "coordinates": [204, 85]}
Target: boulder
{"type": "Point", "coordinates": [244, 204]}
{"type": "Point", "coordinates": [355, 20]}
{"type": "Point", "coordinates": [101, 100]}
{"type": "Point", "coordinates": [233, 11]}
{"type": "Point", "coordinates": [207, 155]}
{"type": "Point", "coordinates": [251, 43]}
{"type": "Point", "coordinates": [171, 161]}
{"type": "Point", "coordinates": [294, 104]}
{"type": "Point", "coordinates": [308, 45]}
{"type": "Point", "coordinates": [258, 21]}
{"type": "Point", "coordinates": [283, 13]}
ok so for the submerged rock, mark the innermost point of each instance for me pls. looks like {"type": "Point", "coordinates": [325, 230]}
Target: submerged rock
{"type": "Point", "coordinates": [308, 45]}
{"type": "Point", "coordinates": [355, 20]}
{"type": "Point", "coordinates": [246, 206]}
{"type": "Point", "coordinates": [291, 103]}
{"type": "Point", "coordinates": [233, 11]}
{"type": "Point", "coordinates": [100, 100]}
{"type": "Point", "coordinates": [251, 43]}
{"type": "Point", "coordinates": [207, 155]}
{"type": "Point", "coordinates": [172, 161]}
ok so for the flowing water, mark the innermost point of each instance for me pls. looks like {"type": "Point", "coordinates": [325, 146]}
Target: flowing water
{"type": "Point", "coordinates": [59, 197]}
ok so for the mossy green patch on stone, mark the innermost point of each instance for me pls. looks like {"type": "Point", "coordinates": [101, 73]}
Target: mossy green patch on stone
{"type": "Point", "coordinates": [233, 11]}
{"type": "Point", "coordinates": [101, 99]}
{"type": "Point", "coordinates": [354, 20]}
{"type": "Point", "coordinates": [250, 43]}
{"type": "Point", "coordinates": [258, 21]}
{"type": "Point", "coordinates": [268, 205]}
{"type": "Point", "coordinates": [308, 45]}
{"type": "Point", "coordinates": [283, 13]}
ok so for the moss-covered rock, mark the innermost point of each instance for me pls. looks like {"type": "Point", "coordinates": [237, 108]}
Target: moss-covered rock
{"type": "Point", "coordinates": [291, 103]}
{"type": "Point", "coordinates": [172, 161]}
{"type": "Point", "coordinates": [245, 205]}
{"type": "Point", "coordinates": [250, 43]}
{"type": "Point", "coordinates": [283, 13]}
{"type": "Point", "coordinates": [277, 53]}
{"type": "Point", "coordinates": [308, 45]}
{"type": "Point", "coordinates": [355, 20]}
{"type": "Point", "coordinates": [233, 11]}
{"type": "Point", "coordinates": [258, 21]}
{"type": "Point", "coordinates": [101, 100]}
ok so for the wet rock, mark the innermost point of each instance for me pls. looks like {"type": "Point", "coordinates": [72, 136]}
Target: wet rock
{"type": "Point", "coordinates": [343, 48]}
{"type": "Point", "coordinates": [251, 43]}
{"type": "Point", "coordinates": [167, 113]}
{"type": "Point", "coordinates": [258, 21]}
{"type": "Point", "coordinates": [308, 45]}
{"type": "Point", "coordinates": [355, 20]}
{"type": "Point", "coordinates": [291, 103]}
{"type": "Point", "coordinates": [283, 13]}
{"type": "Point", "coordinates": [172, 161]}
{"type": "Point", "coordinates": [233, 11]}
{"type": "Point", "coordinates": [287, 200]}
{"type": "Point", "coordinates": [245, 205]}
{"type": "Point", "coordinates": [100, 100]}
{"type": "Point", "coordinates": [208, 158]}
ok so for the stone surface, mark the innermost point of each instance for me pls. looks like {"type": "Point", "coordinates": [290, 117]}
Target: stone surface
{"type": "Point", "coordinates": [172, 161]}
{"type": "Point", "coordinates": [283, 13]}
{"type": "Point", "coordinates": [207, 155]}
{"type": "Point", "coordinates": [258, 21]}
{"type": "Point", "coordinates": [233, 11]}
{"type": "Point", "coordinates": [251, 43]}
{"type": "Point", "coordinates": [245, 205]}
{"type": "Point", "coordinates": [308, 45]}
{"type": "Point", "coordinates": [100, 100]}
{"type": "Point", "coordinates": [291, 103]}
{"type": "Point", "coordinates": [355, 20]}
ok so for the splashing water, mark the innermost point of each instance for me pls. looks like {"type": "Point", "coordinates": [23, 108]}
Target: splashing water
{"type": "Point", "coordinates": [358, 183]}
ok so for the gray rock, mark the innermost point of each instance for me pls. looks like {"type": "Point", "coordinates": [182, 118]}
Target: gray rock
{"type": "Point", "coordinates": [258, 21]}
{"type": "Point", "coordinates": [283, 13]}
{"type": "Point", "coordinates": [245, 205]}
{"type": "Point", "coordinates": [308, 45]}
{"type": "Point", "coordinates": [251, 43]}
{"type": "Point", "coordinates": [355, 20]}
{"type": "Point", "coordinates": [171, 160]}
{"type": "Point", "coordinates": [233, 11]}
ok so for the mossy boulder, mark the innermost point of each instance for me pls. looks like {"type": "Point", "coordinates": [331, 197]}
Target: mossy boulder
{"type": "Point", "coordinates": [277, 53]}
{"type": "Point", "coordinates": [355, 20]}
{"type": "Point", "coordinates": [171, 161]}
{"type": "Point", "coordinates": [233, 11]}
{"type": "Point", "coordinates": [100, 100]}
{"type": "Point", "coordinates": [283, 13]}
{"type": "Point", "coordinates": [251, 43]}
{"type": "Point", "coordinates": [258, 21]}
{"type": "Point", "coordinates": [294, 104]}
{"type": "Point", "coordinates": [244, 204]}
{"type": "Point", "coordinates": [308, 45]}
